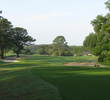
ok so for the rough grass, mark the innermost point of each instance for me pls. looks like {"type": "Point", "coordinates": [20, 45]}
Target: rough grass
{"type": "Point", "coordinates": [46, 78]}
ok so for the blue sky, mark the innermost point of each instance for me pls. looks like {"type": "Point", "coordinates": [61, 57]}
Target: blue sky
{"type": "Point", "coordinates": [46, 19]}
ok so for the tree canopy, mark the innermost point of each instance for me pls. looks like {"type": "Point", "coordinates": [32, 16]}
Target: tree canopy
{"type": "Point", "coordinates": [12, 38]}
{"type": "Point", "coordinates": [108, 4]}
{"type": "Point", "coordinates": [5, 35]}
{"type": "Point", "coordinates": [20, 38]}
{"type": "Point", "coordinates": [99, 42]}
{"type": "Point", "coordinates": [59, 45]}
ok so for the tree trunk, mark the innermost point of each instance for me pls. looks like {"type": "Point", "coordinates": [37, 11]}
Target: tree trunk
{"type": "Point", "coordinates": [17, 55]}
{"type": "Point", "coordinates": [2, 53]}
{"type": "Point", "coordinates": [59, 52]}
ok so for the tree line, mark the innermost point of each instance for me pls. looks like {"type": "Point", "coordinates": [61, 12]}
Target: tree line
{"type": "Point", "coordinates": [99, 41]}
{"type": "Point", "coordinates": [12, 38]}
{"type": "Point", "coordinates": [59, 47]}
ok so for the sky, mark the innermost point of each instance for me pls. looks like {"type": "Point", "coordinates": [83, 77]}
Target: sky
{"type": "Point", "coordinates": [46, 19]}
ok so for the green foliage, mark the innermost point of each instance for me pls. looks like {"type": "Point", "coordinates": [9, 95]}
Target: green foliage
{"type": "Point", "coordinates": [99, 23]}
{"type": "Point", "coordinates": [104, 57]}
{"type": "Point", "coordinates": [79, 50]}
{"type": "Point", "coordinates": [31, 49]}
{"type": "Point", "coordinates": [60, 47]}
{"type": "Point", "coordinates": [43, 49]}
{"type": "Point", "coordinates": [99, 42]}
{"type": "Point", "coordinates": [20, 39]}
{"type": "Point", "coordinates": [90, 40]}
{"type": "Point", "coordinates": [51, 50]}
{"type": "Point", "coordinates": [108, 4]}
{"type": "Point", "coordinates": [27, 51]}
{"type": "Point", "coordinates": [12, 38]}
{"type": "Point", "coordinates": [5, 34]}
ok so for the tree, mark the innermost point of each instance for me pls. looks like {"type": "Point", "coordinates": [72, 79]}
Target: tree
{"type": "Point", "coordinates": [59, 45]}
{"type": "Point", "coordinates": [90, 40]}
{"type": "Point", "coordinates": [42, 49]}
{"type": "Point", "coordinates": [79, 50]}
{"type": "Point", "coordinates": [99, 42]}
{"type": "Point", "coordinates": [20, 39]}
{"type": "Point", "coordinates": [99, 24]}
{"type": "Point", "coordinates": [5, 35]}
{"type": "Point", "coordinates": [31, 49]}
{"type": "Point", "coordinates": [108, 4]}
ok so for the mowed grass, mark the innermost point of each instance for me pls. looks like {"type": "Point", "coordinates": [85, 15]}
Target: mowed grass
{"type": "Point", "coordinates": [46, 78]}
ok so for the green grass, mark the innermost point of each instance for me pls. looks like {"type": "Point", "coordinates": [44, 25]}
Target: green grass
{"type": "Point", "coordinates": [46, 78]}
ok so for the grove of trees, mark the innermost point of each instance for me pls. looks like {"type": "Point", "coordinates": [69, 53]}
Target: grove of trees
{"type": "Point", "coordinates": [12, 38]}
{"type": "Point", "coordinates": [99, 41]}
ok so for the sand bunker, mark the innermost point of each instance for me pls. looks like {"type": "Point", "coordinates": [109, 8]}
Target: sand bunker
{"type": "Point", "coordinates": [83, 64]}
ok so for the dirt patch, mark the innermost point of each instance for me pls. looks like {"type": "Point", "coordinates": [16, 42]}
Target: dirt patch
{"type": "Point", "coordinates": [83, 64]}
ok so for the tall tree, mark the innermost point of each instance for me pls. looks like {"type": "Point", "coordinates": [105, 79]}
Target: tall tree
{"type": "Point", "coordinates": [20, 39]}
{"type": "Point", "coordinates": [101, 25]}
{"type": "Point", "coordinates": [5, 35]}
{"type": "Point", "coordinates": [59, 45]}
{"type": "Point", "coordinates": [108, 4]}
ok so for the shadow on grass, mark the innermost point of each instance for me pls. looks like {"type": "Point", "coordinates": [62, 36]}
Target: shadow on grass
{"type": "Point", "coordinates": [76, 83]}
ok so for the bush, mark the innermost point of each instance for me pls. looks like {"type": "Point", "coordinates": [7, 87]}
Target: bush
{"type": "Point", "coordinates": [104, 57]}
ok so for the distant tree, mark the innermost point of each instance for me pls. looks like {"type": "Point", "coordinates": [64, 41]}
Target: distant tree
{"type": "Point", "coordinates": [79, 50]}
{"type": "Point", "coordinates": [59, 45]}
{"type": "Point", "coordinates": [5, 35]}
{"type": "Point", "coordinates": [44, 49]}
{"type": "Point", "coordinates": [31, 49]}
{"type": "Point", "coordinates": [20, 39]}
